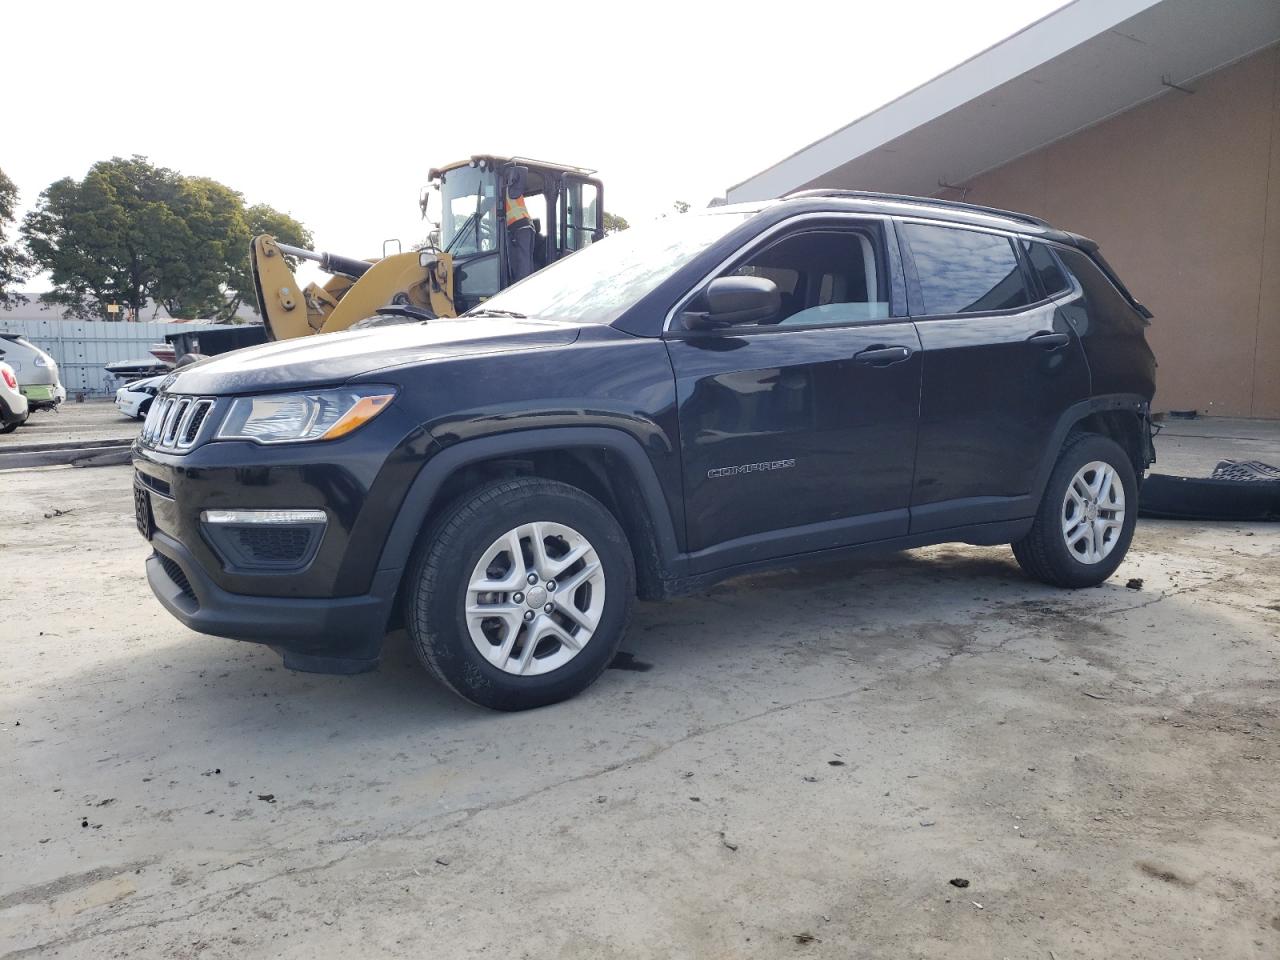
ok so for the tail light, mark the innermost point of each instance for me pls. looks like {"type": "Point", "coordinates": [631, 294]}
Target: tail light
{"type": "Point", "coordinates": [9, 378]}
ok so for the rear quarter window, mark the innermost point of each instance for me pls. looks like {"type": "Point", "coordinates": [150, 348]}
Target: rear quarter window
{"type": "Point", "coordinates": [1045, 266]}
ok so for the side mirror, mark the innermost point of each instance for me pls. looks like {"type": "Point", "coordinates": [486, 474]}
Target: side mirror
{"type": "Point", "coordinates": [730, 301]}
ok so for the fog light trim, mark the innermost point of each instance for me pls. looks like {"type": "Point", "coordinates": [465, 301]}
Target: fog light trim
{"type": "Point", "coordinates": [242, 517]}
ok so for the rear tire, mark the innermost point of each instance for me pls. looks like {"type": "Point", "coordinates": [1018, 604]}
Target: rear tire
{"type": "Point", "coordinates": [511, 633]}
{"type": "Point", "coordinates": [1087, 515]}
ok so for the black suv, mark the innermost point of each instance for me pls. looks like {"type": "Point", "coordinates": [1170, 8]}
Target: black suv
{"type": "Point", "coordinates": [709, 394]}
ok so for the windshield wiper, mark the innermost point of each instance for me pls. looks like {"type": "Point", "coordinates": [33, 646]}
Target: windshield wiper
{"type": "Point", "coordinates": [458, 237]}
{"type": "Point", "coordinates": [484, 312]}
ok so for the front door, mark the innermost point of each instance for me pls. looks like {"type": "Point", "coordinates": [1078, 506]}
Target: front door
{"type": "Point", "coordinates": [799, 433]}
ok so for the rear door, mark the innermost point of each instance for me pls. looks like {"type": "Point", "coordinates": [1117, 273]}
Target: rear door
{"type": "Point", "coordinates": [1001, 366]}
{"type": "Point", "coordinates": [798, 433]}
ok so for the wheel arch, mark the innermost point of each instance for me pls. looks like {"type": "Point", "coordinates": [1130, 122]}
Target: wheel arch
{"type": "Point", "coordinates": [606, 463]}
{"type": "Point", "coordinates": [1124, 418]}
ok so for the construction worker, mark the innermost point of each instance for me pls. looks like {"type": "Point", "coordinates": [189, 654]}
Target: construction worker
{"type": "Point", "coordinates": [520, 230]}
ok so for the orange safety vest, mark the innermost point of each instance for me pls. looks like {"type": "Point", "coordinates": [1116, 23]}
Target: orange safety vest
{"type": "Point", "coordinates": [516, 211]}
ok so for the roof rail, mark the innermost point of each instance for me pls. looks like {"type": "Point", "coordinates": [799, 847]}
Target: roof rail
{"type": "Point", "coordinates": [922, 201]}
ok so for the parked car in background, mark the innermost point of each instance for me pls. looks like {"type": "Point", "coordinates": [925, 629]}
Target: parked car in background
{"type": "Point", "coordinates": [37, 372]}
{"type": "Point", "coordinates": [750, 387]}
{"type": "Point", "coordinates": [13, 405]}
{"type": "Point", "coordinates": [134, 398]}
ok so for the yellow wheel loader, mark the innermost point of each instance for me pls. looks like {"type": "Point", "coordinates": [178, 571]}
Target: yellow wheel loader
{"type": "Point", "coordinates": [470, 257]}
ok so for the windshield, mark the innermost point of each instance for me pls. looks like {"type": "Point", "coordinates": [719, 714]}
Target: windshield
{"type": "Point", "coordinates": [470, 211]}
{"type": "Point", "coordinates": [597, 284]}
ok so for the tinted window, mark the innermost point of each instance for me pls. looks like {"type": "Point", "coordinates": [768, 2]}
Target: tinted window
{"type": "Point", "coordinates": [825, 277]}
{"type": "Point", "coordinates": [962, 271]}
{"type": "Point", "coordinates": [1045, 265]}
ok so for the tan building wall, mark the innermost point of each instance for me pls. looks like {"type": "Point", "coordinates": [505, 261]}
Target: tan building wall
{"type": "Point", "coordinates": [1183, 194]}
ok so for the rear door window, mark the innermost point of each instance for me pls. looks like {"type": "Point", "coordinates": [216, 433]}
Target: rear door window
{"type": "Point", "coordinates": [965, 271]}
{"type": "Point", "coordinates": [1045, 266]}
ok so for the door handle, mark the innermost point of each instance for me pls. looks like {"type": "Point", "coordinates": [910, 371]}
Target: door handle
{"type": "Point", "coordinates": [882, 356]}
{"type": "Point", "coordinates": [1050, 341]}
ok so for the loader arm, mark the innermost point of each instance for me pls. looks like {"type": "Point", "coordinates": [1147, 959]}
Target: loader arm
{"type": "Point", "coordinates": [357, 289]}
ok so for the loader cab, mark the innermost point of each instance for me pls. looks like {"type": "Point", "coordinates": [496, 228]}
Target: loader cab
{"type": "Point", "coordinates": [565, 203]}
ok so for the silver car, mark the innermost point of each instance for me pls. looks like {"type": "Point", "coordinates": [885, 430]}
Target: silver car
{"type": "Point", "coordinates": [37, 372]}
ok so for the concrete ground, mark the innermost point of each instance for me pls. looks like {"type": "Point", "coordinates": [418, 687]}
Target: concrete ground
{"type": "Point", "coordinates": [1191, 448]}
{"type": "Point", "coordinates": [91, 420]}
{"type": "Point", "coordinates": [793, 764]}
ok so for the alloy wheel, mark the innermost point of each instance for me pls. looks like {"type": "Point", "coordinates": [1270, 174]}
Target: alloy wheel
{"type": "Point", "coordinates": [535, 598]}
{"type": "Point", "coordinates": [1093, 512]}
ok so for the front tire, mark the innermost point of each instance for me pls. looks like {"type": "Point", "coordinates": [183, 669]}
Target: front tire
{"type": "Point", "coordinates": [520, 593]}
{"type": "Point", "coordinates": [1087, 515]}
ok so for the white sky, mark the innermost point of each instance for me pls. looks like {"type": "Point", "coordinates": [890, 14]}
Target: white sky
{"type": "Point", "coordinates": [335, 111]}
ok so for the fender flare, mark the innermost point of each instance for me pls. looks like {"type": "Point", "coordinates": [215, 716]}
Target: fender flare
{"type": "Point", "coordinates": [1127, 402]}
{"type": "Point", "coordinates": [421, 495]}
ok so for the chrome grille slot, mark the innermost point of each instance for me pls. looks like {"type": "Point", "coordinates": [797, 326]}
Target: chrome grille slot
{"type": "Point", "coordinates": [184, 421]}
{"type": "Point", "coordinates": [189, 432]}
{"type": "Point", "coordinates": [156, 417]}
{"type": "Point", "coordinates": [149, 424]}
{"type": "Point", "coordinates": [172, 420]}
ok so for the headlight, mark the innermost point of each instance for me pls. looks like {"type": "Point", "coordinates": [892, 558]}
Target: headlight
{"type": "Point", "coordinates": [310, 415]}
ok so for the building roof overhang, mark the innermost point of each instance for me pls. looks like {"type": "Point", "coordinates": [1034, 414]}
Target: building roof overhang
{"type": "Point", "coordinates": [1076, 67]}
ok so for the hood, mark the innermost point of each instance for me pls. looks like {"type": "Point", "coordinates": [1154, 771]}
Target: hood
{"type": "Point", "coordinates": [331, 358]}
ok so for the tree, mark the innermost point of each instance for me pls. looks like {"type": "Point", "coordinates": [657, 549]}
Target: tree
{"type": "Point", "coordinates": [14, 263]}
{"type": "Point", "coordinates": [130, 231]}
{"type": "Point", "coordinates": [209, 236]}
{"type": "Point", "coordinates": [614, 223]}
{"type": "Point", "coordinates": [103, 239]}
{"type": "Point", "coordinates": [680, 206]}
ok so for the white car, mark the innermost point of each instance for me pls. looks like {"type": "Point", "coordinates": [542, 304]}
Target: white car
{"type": "Point", "coordinates": [134, 399]}
{"type": "Point", "coordinates": [13, 405]}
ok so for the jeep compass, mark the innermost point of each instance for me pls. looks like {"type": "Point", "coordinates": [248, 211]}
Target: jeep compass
{"type": "Point", "coordinates": [747, 387]}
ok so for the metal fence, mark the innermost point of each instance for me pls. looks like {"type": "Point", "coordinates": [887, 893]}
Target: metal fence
{"type": "Point", "coordinates": [83, 348]}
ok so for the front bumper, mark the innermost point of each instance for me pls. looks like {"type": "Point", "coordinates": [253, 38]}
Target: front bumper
{"type": "Point", "coordinates": [130, 404]}
{"type": "Point", "coordinates": [328, 607]}
{"type": "Point", "coordinates": [331, 635]}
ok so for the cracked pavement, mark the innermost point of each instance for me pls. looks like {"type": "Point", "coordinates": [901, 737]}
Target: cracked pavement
{"type": "Point", "coordinates": [794, 763]}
